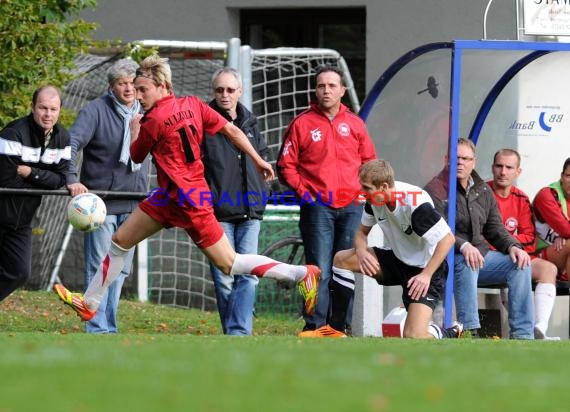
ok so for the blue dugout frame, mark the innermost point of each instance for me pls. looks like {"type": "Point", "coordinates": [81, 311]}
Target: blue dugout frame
{"type": "Point", "coordinates": [458, 48]}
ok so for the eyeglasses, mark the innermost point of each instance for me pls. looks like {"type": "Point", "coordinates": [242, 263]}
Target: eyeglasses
{"type": "Point", "coordinates": [464, 158]}
{"type": "Point", "coordinates": [220, 90]}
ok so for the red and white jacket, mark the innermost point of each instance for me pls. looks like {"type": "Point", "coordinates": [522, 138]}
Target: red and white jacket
{"type": "Point", "coordinates": [321, 157]}
{"type": "Point", "coordinates": [550, 219]}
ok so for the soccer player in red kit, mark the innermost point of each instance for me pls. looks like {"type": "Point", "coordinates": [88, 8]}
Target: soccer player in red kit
{"type": "Point", "coordinates": [172, 130]}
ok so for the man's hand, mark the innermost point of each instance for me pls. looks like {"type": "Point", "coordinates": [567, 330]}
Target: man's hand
{"type": "Point", "coordinates": [266, 171]}
{"type": "Point", "coordinates": [23, 171]}
{"type": "Point", "coordinates": [473, 257]}
{"type": "Point", "coordinates": [368, 263]}
{"type": "Point", "coordinates": [135, 126]}
{"type": "Point", "coordinates": [559, 243]}
{"type": "Point", "coordinates": [418, 285]}
{"type": "Point", "coordinates": [520, 257]}
{"type": "Point", "coordinates": [76, 189]}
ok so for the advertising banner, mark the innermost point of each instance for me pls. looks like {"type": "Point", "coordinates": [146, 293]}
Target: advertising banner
{"type": "Point", "coordinates": [541, 126]}
{"type": "Point", "coordinates": [546, 17]}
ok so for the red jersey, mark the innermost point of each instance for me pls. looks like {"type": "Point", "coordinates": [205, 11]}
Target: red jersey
{"type": "Point", "coordinates": [320, 156]}
{"type": "Point", "coordinates": [172, 132]}
{"type": "Point", "coordinates": [516, 212]}
{"type": "Point", "coordinates": [549, 211]}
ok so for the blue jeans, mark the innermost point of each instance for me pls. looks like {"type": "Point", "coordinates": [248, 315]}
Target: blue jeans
{"type": "Point", "coordinates": [235, 295]}
{"type": "Point", "coordinates": [326, 231]}
{"type": "Point", "coordinates": [498, 269]}
{"type": "Point", "coordinates": [96, 245]}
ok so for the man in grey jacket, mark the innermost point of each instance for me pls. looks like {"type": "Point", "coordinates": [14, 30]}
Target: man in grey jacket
{"type": "Point", "coordinates": [478, 224]}
{"type": "Point", "coordinates": [102, 131]}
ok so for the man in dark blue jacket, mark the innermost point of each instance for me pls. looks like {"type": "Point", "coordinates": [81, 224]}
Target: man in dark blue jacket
{"type": "Point", "coordinates": [34, 154]}
{"type": "Point", "coordinates": [230, 175]}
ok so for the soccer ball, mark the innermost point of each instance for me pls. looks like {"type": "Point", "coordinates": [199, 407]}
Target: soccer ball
{"type": "Point", "coordinates": [86, 212]}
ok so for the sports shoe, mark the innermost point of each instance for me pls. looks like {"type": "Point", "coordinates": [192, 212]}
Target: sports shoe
{"type": "Point", "coordinates": [453, 332]}
{"type": "Point", "coordinates": [308, 288]}
{"type": "Point", "coordinates": [75, 301]}
{"type": "Point", "coordinates": [322, 332]}
{"type": "Point", "coordinates": [538, 334]}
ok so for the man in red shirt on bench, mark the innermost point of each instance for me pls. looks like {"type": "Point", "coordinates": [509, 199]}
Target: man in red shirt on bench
{"type": "Point", "coordinates": [516, 212]}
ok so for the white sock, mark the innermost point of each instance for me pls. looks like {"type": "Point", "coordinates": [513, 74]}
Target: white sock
{"type": "Point", "coordinates": [343, 277]}
{"type": "Point", "coordinates": [544, 295]}
{"type": "Point", "coordinates": [262, 266]}
{"type": "Point", "coordinates": [108, 271]}
{"type": "Point", "coordinates": [435, 331]}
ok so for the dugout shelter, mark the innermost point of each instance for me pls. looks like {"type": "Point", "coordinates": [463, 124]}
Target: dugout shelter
{"type": "Point", "coordinates": [497, 93]}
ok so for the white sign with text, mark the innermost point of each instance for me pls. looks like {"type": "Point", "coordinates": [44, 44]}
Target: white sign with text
{"type": "Point", "coordinates": [547, 17]}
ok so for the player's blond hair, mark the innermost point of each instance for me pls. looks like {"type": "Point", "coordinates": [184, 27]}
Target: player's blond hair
{"type": "Point", "coordinates": [376, 172]}
{"type": "Point", "coordinates": [157, 69]}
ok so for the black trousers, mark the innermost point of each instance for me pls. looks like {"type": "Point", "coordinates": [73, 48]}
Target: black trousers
{"type": "Point", "coordinates": [15, 258]}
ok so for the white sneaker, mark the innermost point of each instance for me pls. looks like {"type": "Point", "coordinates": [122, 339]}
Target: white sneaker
{"type": "Point", "coordinates": [538, 334]}
{"type": "Point", "coordinates": [438, 332]}
{"type": "Point", "coordinates": [455, 331]}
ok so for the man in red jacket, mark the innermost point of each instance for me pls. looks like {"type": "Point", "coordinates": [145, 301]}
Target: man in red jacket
{"type": "Point", "coordinates": [323, 149]}
{"type": "Point", "coordinates": [552, 224]}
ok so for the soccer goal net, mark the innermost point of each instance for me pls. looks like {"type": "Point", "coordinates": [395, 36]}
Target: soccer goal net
{"type": "Point", "coordinates": [278, 85]}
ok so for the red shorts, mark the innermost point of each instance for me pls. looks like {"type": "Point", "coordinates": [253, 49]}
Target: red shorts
{"type": "Point", "coordinates": [541, 254]}
{"type": "Point", "coordinates": [199, 222]}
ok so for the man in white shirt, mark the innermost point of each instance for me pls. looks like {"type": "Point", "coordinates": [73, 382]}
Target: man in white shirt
{"type": "Point", "coordinates": [416, 242]}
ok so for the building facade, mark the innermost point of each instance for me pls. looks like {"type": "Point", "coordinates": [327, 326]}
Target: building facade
{"type": "Point", "coordinates": [386, 29]}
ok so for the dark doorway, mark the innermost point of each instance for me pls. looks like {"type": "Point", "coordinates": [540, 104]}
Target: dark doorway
{"type": "Point", "coordinates": [341, 29]}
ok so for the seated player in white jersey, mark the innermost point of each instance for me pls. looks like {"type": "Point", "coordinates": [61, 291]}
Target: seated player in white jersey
{"type": "Point", "coordinates": [416, 242]}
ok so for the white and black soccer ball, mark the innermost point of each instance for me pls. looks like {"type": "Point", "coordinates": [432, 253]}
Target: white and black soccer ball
{"type": "Point", "coordinates": [86, 212]}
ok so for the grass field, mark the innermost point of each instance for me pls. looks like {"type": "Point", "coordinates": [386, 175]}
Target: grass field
{"type": "Point", "coordinates": [168, 359]}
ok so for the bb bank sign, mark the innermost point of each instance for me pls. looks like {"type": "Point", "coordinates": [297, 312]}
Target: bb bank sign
{"type": "Point", "coordinates": [537, 120]}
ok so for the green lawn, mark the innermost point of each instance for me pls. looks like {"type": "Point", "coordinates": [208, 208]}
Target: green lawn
{"type": "Point", "coordinates": [166, 364]}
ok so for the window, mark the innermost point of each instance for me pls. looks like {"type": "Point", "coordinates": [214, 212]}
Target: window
{"type": "Point", "coordinates": [341, 29]}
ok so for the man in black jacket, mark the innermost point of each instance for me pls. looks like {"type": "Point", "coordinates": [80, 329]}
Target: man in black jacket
{"type": "Point", "coordinates": [34, 154]}
{"type": "Point", "coordinates": [237, 194]}
{"type": "Point", "coordinates": [478, 223]}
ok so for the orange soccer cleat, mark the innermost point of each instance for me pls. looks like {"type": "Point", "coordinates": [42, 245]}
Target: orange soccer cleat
{"type": "Point", "coordinates": [322, 332]}
{"type": "Point", "coordinates": [308, 288]}
{"type": "Point", "coordinates": [75, 301]}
